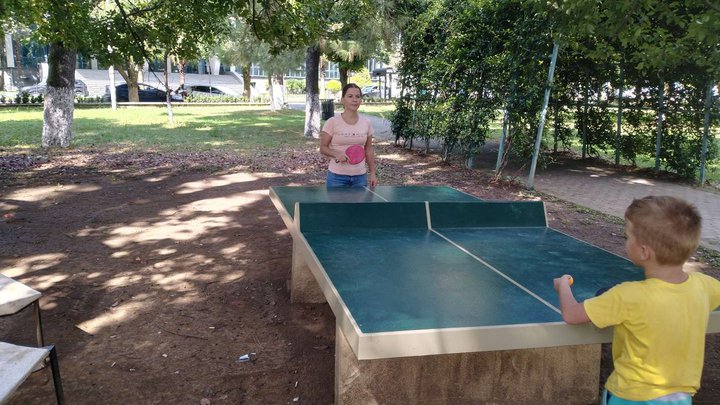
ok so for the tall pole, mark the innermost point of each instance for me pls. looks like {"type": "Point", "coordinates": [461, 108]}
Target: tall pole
{"type": "Point", "coordinates": [658, 140]}
{"type": "Point", "coordinates": [541, 125]}
{"type": "Point", "coordinates": [113, 94]}
{"type": "Point", "coordinates": [586, 95]}
{"type": "Point", "coordinates": [619, 117]}
{"type": "Point", "coordinates": [111, 70]}
{"type": "Point", "coordinates": [501, 147]}
{"type": "Point", "coordinates": [506, 123]}
{"type": "Point", "coordinates": [706, 131]}
{"type": "Point", "coordinates": [209, 70]}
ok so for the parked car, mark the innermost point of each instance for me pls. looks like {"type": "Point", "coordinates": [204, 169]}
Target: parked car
{"type": "Point", "coordinates": [81, 88]}
{"type": "Point", "coordinates": [41, 88]}
{"type": "Point", "coordinates": [204, 90]}
{"type": "Point", "coordinates": [146, 93]}
{"type": "Point", "coordinates": [371, 91]}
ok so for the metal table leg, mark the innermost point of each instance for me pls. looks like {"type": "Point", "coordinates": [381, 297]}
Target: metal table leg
{"type": "Point", "coordinates": [38, 324]}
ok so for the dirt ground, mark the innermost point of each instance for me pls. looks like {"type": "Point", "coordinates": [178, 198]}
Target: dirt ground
{"type": "Point", "coordinates": [159, 271]}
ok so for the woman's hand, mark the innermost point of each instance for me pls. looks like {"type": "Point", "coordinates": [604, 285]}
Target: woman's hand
{"type": "Point", "coordinates": [372, 180]}
{"type": "Point", "coordinates": [341, 157]}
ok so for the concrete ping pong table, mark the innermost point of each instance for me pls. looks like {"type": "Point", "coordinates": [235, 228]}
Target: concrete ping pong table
{"type": "Point", "coordinates": [442, 298]}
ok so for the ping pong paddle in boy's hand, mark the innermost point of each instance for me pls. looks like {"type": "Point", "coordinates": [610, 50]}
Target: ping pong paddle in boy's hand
{"type": "Point", "coordinates": [355, 154]}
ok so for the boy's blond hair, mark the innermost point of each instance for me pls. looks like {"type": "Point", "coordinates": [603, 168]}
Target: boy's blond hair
{"type": "Point", "coordinates": [669, 225]}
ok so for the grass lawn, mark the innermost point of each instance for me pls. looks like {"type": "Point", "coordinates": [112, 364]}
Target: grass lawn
{"type": "Point", "coordinates": [238, 128]}
{"type": "Point", "coordinates": [295, 98]}
{"type": "Point", "coordinates": [384, 111]}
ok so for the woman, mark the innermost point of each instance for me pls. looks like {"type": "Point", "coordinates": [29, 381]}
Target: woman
{"type": "Point", "coordinates": [343, 131]}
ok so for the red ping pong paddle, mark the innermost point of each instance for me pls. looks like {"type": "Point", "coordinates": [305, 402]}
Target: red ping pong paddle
{"type": "Point", "coordinates": [355, 154]}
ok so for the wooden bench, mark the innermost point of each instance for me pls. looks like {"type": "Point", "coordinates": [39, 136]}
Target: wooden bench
{"type": "Point", "coordinates": [16, 296]}
{"type": "Point", "coordinates": [17, 362]}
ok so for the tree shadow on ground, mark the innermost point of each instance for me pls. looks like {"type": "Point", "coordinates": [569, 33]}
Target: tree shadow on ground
{"type": "Point", "coordinates": [153, 287]}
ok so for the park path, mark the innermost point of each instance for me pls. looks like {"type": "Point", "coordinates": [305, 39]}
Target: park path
{"type": "Point", "coordinates": [610, 191]}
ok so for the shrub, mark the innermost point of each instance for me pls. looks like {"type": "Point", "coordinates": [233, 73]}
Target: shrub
{"type": "Point", "coordinates": [263, 98]}
{"type": "Point", "coordinates": [361, 78]}
{"type": "Point", "coordinates": [333, 86]}
{"type": "Point", "coordinates": [295, 86]}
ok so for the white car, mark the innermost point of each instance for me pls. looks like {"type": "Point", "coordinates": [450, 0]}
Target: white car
{"type": "Point", "coordinates": [207, 90]}
{"type": "Point", "coordinates": [370, 91]}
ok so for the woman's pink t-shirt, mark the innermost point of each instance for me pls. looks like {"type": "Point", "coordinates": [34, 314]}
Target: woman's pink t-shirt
{"type": "Point", "coordinates": [343, 135]}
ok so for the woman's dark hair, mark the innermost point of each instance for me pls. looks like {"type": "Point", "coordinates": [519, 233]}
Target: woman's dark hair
{"type": "Point", "coordinates": [350, 86]}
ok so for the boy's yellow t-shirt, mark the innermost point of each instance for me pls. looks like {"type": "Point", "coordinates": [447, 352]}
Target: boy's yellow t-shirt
{"type": "Point", "coordinates": [659, 337]}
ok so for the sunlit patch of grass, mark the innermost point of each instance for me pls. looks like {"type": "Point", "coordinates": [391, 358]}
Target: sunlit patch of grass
{"type": "Point", "coordinates": [236, 128]}
{"type": "Point", "coordinates": [384, 111]}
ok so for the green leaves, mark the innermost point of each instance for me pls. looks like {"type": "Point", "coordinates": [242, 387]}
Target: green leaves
{"type": "Point", "coordinates": [654, 35]}
{"type": "Point", "coordinates": [66, 22]}
{"type": "Point", "coordinates": [466, 60]}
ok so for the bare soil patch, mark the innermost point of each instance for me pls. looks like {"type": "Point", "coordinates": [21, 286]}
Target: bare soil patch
{"type": "Point", "coordinates": [159, 271]}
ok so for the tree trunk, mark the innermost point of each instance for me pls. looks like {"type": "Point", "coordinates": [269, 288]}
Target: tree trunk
{"type": "Point", "coordinates": [312, 95]}
{"type": "Point", "coordinates": [278, 95]}
{"type": "Point", "coordinates": [132, 83]}
{"type": "Point", "coordinates": [130, 74]}
{"type": "Point", "coordinates": [3, 51]}
{"type": "Point", "coordinates": [20, 69]}
{"type": "Point", "coordinates": [60, 97]}
{"type": "Point", "coordinates": [246, 81]}
{"type": "Point", "coordinates": [181, 70]}
{"type": "Point", "coordinates": [343, 76]}
{"type": "Point", "coordinates": [281, 82]}
{"type": "Point", "coordinates": [273, 105]}
{"type": "Point", "coordinates": [321, 75]}
{"type": "Point", "coordinates": [168, 100]}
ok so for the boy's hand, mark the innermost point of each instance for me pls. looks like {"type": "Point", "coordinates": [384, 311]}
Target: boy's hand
{"type": "Point", "coordinates": [564, 279]}
{"type": "Point", "coordinates": [573, 312]}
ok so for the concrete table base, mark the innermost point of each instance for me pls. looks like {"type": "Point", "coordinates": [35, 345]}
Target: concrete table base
{"type": "Point", "coordinates": [303, 286]}
{"type": "Point", "coordinates": [557, 375]}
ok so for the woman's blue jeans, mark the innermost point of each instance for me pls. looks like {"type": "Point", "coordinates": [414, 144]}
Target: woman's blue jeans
{"type": "Point", "coordinates": [343, 180]}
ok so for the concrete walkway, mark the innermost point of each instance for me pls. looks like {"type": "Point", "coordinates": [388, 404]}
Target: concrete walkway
{"type": "Point", "coordinates": [609, 191]}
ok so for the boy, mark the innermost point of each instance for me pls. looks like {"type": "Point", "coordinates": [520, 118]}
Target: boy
{"type": "Point", "coordinates": [660, 322]}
